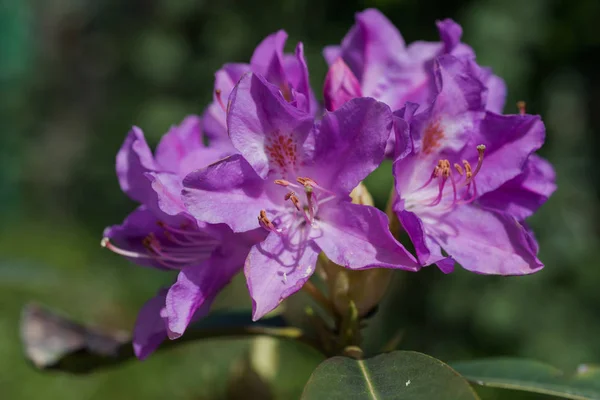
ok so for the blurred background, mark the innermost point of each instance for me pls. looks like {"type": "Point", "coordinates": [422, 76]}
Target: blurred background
{"type": "Point", "coordinates": [76, 74]}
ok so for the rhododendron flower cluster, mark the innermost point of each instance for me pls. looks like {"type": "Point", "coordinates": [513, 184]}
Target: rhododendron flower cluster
{"type": "Point", "coordinates": [269, 194]}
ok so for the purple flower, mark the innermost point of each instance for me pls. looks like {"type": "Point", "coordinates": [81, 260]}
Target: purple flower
{"type": "Point", "coordinates": [287, 71]}
{"type": "Point", "coordinates": [389, 71]}
{"type": "Point", "coordinates": [161, 234]}
{"type": "Point", "coordinates": [293, 178]}
{"type": "Point", "coordinates": [466, 178]}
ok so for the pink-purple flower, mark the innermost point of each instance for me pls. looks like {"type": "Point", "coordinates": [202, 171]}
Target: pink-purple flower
{"type": "Point", "coordinates": [466, 178]}
{"type": "Point", "coordinates": [271, 190]}
{"type": "Point", "coordinates": [161, 234]}
{"type": "Point", "coordinates": [287, 71]}
{"type": "Point", "coordinates": [293, 177]}
{"type": "Point", "coordinates": [373, 61]}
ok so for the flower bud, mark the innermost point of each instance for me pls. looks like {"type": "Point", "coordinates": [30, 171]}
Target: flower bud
{"type": "Point", "coordinates": [360, 195]}
{"type": "Point", "coordinates": [365, 287]}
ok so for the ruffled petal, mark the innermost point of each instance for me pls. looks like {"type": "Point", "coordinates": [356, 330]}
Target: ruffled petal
{"type": "Point", "coordinates": [214, 119]}
{"type": "Point", "coordinates": [523, 195]}
{"type": "Point", "coordinates": [133, 160]}
{"type": "Point", "coordinates": [178, 143]}
{"type": "Point", "coordinates": [229, 192]}
{"type": "Point", "coordinates": [167, 195]}
{"type": "Point", "coordinates": [371, 47]}
{"type": "Point", "coordinates": [296, 72]}
{"type": "Point", "coordinates": [350, 144]}
{"type": "Point", "coordinates": [267, 59]}
{"type": "Point", "coordinates": [428, 252]}
{"type": "Point", "coordinates": [267, 130]}
{"type": "Point", "coordinates": [509, 141]}
{"type": "Point", "coordinates": [487, 242]}
{"type": "Point", "coordinates": [358, 237]}
{"type": "Point", "coordinates": [277, 268]}
{"type": "Point", "coordinates": [340, 85]}
{"type": "Point", "coordinates": [150, 327]}
{"type": "Point", "coordinates": [197, 286]}
{"type": "Point", "coordinates": [457, 112]}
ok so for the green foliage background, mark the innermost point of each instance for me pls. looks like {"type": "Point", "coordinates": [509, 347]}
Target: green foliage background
{"type": "Point", "coordinates": [76, 74]}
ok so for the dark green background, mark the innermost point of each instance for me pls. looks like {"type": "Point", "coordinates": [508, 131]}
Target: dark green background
{"type": "Point", "coordinates": [76, 74]}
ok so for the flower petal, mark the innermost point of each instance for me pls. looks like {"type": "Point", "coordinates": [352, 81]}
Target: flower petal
{"type": "Point", "coordinates": [267, 59]}
{"type": "Point", "coordinates": [370, 47]}
{"type": "Point", "coordinates": [150, 327]}
{"type": "Point", "coordinates": [229, 192]}
{"type": "Point", "coordinates": [267, 130]}
{"type": "Point", "coordinates": [350, 144]}
{"type": "Point", "coordinates": [523, 195]}
{"type": "Point", "coordinates": [197, 286]}
{"type": "Point", "coordinates": [129, 236]}
{"type": "Point", "coordinates": [179, 142]}
{"type": "Point", "coordinates": [332, 53]}
{"type": "Point", "coordinates": [487, 242]}
{"type": "Point", "coordinates": [296, 72]}
{"type": "Point", "coordinates": [167, 198]}
{"type": "Point", "coordinates": [277, 268]}
{"type": "Point", "coordinates": [340, 85]}
{"type": "Point", "coordinates": [509, 141]}
{"type": "Point", "coordinates": [456, 114]}
{"type": "Point", "coordinates": [358, 237]}
{"type": "Point", "coordinates": [400, 144]}
{"type": "Point", "coordinates": [133, 160]}
{"type": "Point", "coordinates": [451, 33]}
{"type": "Point", "coordinates": [428, 252]}
{"type": "Point", "coordinates": [214, 118]}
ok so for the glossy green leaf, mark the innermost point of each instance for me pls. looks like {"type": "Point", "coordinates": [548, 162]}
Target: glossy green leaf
{"type": "Point", "coordinates": [533, 376]}
{"type": "Point", "coordinates": [403, 375]}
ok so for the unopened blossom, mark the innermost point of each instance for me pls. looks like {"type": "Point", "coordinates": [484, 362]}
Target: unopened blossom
{"type": "Point", "coordinates": [287, 71]}
{"type": "Point", "coordinates": [374, 61]}
{"type": "Point", "coordinates": [292, 177]}
{"type": "Point", "coordinates": [161, 234]}
{"type": "Point", "coordinates": [465, 178]}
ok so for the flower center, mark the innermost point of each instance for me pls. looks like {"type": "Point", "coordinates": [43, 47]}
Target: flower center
{"type": "Point", "coordinates": [174, 248]}
{"type": "Point", "coordinates": [300, 213]}
{"type": "Point", "coordinates": [432, 137]}
{"type": "Point", "coordinates": [282, 151]}
{"type": "Point", "coordinates": [460, 190]}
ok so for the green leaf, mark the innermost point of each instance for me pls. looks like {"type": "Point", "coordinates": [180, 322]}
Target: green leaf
{"type": "Point", "coordinates": [532, 376]}
{"type": "Point", "coordinates": [399, 375]}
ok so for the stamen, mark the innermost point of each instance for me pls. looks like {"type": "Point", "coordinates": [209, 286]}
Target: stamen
{"type": "Point", "coordinates": [309, 199]}
{"type": "Point", "coordinates": [443, 171]}
{"type": "Point", "coordinates": [295, 201]}
{"type": "Point", "coordinates": [437, 200]}
{"type": "Point", "coordinates": [282, 182]}
{"type": "Point", "coordinates": [522, 106]}
{"type": "Point", "coordinates": [220, 100]}
{"type": "Point", "coordinates": [292, 196]}
{"type": "Point", "coordinates": [264, 221]}
{"type": "Point", "coordinates": [454, 192]}
{"type": "Point", "coordinates": [306, 182]}
{"type": "Point", "coordinates": [468, 170]}
{"type": "Point", "coordinates": [434, 174]}
{"type": "Point", "coordinates": [459, 169]}
{"type": "Point", "coordinates": [183, 231]}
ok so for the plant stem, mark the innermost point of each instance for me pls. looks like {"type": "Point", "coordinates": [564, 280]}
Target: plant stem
{"type": "Point", "coordinates": [319, 297]}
